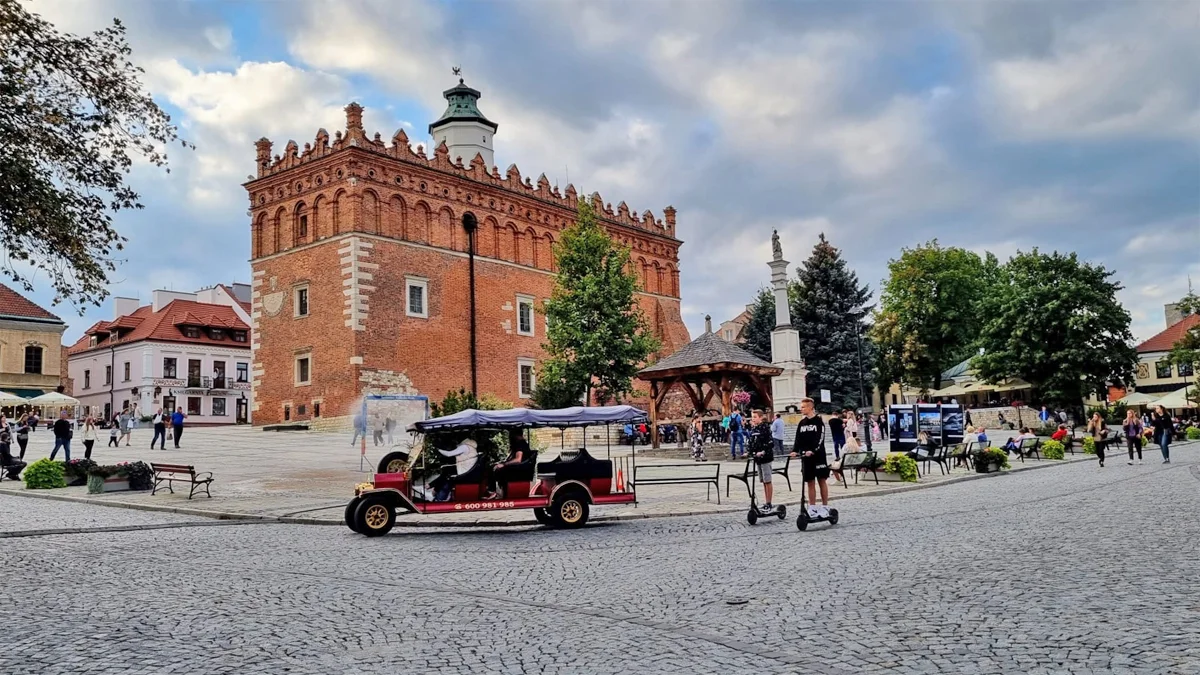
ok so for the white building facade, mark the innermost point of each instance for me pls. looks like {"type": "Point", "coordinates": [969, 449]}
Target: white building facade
{"type": "Point", "coordinates": [184, 350]}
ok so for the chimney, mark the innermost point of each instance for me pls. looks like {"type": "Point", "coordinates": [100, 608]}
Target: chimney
{"type": "Point", "coordinates": [263, 155]}
{"type": "Point", "coordinates": [354, 117]}
{"type": "Point", "coordinates": [1173, 314]}
{"type": "Point", "coordinates": [124, 306]}
{"type": "Point", "coordinates": [707, 323]}
{"type": "Point", "coordinates": [163, 298]}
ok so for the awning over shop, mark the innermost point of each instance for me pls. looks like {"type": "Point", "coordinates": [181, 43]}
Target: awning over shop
{"type": "Point", "coordinates": [24, 393]}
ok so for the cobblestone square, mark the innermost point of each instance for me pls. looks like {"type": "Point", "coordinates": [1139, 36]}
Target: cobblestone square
{"type": "Point", "coordinates": [1071, 569]}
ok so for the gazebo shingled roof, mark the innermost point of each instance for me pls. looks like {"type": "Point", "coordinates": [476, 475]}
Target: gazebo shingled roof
{"type": "Point", "coordinates": [707, 360]}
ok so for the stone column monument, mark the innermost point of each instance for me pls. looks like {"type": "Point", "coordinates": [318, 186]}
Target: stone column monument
{"type": "Point", "coordinates": [788, 388]}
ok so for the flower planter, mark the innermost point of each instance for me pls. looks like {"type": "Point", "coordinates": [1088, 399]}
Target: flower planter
{"type": "Point", "coordinates": [97, 485]}
{"type": "Point", "coordinates": [887, 477]}
{"type": "Point", "coordinates": [990, 467]}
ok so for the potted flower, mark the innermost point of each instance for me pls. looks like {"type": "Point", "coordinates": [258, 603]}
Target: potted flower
{"type": "Point", "coordinates": [990, 460]}
{"type": "Point", "coordinates": [139, 475]}
{"type": "Point", "coordinates": [900, 465]}
{"type": "Point", "coordinates": [1052, 449]}
{"type": "Point", "coordinates": [106, 478]}
{"type": "Point", "coordinates": [76, 471]}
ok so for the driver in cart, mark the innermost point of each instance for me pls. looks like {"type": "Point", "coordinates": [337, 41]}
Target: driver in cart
{"type": "Point", "coordinates": [518, 451]}
{"type": "Point", "coordinates": [465, 454]}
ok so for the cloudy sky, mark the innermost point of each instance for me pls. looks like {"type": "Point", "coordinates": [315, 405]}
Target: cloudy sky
{"type": "Point", "coordinates": [994, 126]}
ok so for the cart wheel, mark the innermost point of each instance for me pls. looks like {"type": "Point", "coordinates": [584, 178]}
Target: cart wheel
{"type": "Point", "coordinates": [782, 512]}
{"type": "Point", "coordinates": [570, 509]}
{"type": "Point", "coordinates": [833, 516]}
{"type": "Point", "coordinates": [802, 520]}
{"type": "Point", "coordinates": [543, 517]}
{"type": "Point", "coordinates": [752, 515]}
{"type": "Point", "coordinates": [374, 517]}
{"type": "Point", "coordinates": [350, 512]}
{"type": "Point", "coordinates": [393, 462]}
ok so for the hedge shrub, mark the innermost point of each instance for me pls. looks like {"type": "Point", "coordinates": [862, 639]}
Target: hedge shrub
{"type": "Point", "coordinates": [1053, 449]}
{"type": "Point", "coordinates": [45, 474]}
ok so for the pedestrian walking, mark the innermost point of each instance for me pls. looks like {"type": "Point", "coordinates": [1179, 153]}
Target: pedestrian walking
{"type": "Point", "coordinates": [177, 419]}
{"type": "Point", "coordinates": [360, 429]}
{"type": "Point", "coordinates": [123, 424]}
{"type": "Point", "coordinates": [89, 436]}
{"type": "Point", "coordinates": [1160, 422]}
{"type": "Point", "coordinates": [160, 430]}
{"type": "Point", "coordinates": [1133, 435]}
{"type": "Point", "coordinates": [736, 440]}
{"type": "Point", "coordinates": [114, 434]}
{"type": "Point", "coordinates": [62, 436]}
{"type": "Point", "coordinates": [852, 426]}
{"type": "Point", "coordinates": [130, 418]}
{"type": "Point", "coordinates": [34, 420]}
{"type": "Point", "coordinates": [376, 430]}
{"type": "Point", "coordinates": [698, 439]}
{"type": "Point", "coordinates": [389, 425]}
{"type": "Point", "coordinates": [837, 429]}
{"type": "Point", "coordinates": [777, 435]}
{"type": "Point", "coordinates": [1099, 433]}
{"type": "Point", "coordinates": [23, 434]}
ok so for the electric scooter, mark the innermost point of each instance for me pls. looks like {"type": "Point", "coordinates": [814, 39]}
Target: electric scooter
{"type": "Point", "coordinates": [756, 512]}
{"type": "Point", "coordinates": [804, 519]}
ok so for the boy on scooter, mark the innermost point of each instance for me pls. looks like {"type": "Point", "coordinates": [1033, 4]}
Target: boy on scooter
{"type": "Point", "coordinates": [763, 451]}
{"type": "Point", "coordinates": [810, 447]}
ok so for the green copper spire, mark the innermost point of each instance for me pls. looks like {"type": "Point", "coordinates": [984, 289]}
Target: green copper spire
{"type": "Point", "coordinates": [462, 107]}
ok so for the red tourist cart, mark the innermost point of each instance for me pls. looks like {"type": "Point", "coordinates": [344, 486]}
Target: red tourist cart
{"type": "Point", "coordinates": [560, 491]}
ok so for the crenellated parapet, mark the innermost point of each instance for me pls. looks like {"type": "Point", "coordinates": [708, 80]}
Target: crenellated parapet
{"type": "Point", "coordinates": [475, 169]}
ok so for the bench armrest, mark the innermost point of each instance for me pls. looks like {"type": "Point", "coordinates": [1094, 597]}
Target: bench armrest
{"type": "Point", "coordinates": [203, 475]}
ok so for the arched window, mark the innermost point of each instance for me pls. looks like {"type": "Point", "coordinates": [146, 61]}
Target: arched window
{"type": "Point", "coordinates": [33, 360]}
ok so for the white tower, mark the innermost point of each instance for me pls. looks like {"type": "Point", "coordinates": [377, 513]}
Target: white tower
{"type": "Point", "coordinates": [465, 131]}
{"type": "Point", "coordinates": [788, 387]}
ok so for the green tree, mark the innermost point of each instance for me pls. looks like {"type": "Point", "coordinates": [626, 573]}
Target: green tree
{"type": "Point", "coordinates": [1055, 322]}
{"type": "Point", "coordinates": [73, 119]}
{"type": "Point", "coordinates": [929, 313]}
{"type": "Point", "coordinates": [598, 336]}
{"type": "Point", "coordinates": [828, 309]}
{"type": "Point", "coordinates": [757, 333]}
{"type": "Point", "coordinates": [555, 389]}
{"type": "Point", "coordinates": [1185, 353]}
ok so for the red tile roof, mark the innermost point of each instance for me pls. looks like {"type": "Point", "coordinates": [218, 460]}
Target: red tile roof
{"type": "Point", "coordinates": [1167, 339]}
{"type": "Point", "coordinates": [245, 305]}
{"type": "Point", "coordinates": [14, 304]}
{"type": "Point", "coordinates": [166, 325]}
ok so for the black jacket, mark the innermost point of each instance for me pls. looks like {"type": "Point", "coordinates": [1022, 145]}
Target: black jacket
{"type": "Point", "coordinates": [760, 441]}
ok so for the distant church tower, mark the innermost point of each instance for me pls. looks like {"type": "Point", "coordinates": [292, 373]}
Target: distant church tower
{"type": "Point", "coordinates": [463, 128]}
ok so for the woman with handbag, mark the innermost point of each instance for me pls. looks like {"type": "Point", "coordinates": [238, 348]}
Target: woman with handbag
{"type": "Point", "coordinates": [1133, 435]}
{"type": "Point", "coordinates": [1099, 433]}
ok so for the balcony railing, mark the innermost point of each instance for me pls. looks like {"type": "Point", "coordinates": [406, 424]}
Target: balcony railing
{"type": "Point", "coordinates": [219, 382]}
{"type": "Point", "coordinates": [197, 382]}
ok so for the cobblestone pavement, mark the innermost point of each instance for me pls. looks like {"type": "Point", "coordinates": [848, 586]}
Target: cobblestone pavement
{"type": "Point", "coordinates": [1070, 569]}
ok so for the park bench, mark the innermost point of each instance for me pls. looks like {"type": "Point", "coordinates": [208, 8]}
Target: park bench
{"type": "Point", "coordinates": [939, 455]}
{"type": "Point", "coordinates": [776, 469]}
{"type": "Point", "coordinates": [858, 462]}
{"type": "Point", "coordinates": [680, 474]}
{"type": "Point", "coordinates": [959, 452]}
{"type": "Point", "coordinates": [180, 473]}
{"type": "Point", "coordinates": [1028, 448]}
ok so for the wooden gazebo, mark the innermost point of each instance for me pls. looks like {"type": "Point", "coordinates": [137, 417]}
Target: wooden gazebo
{"type": "Point", "coordinates": [704, 367]}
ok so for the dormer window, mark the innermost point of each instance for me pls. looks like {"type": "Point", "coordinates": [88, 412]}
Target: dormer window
{"type": "Point", "coordinates": [216, 333]}
{"type": "Point", "coordinates": [191, 332]}
{"type": "Point", "coordinates": [238, 335]}
{"type": "Point", "coordinates": [95, 340]}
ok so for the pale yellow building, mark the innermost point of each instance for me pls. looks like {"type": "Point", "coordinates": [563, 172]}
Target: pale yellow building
{"type": "Point", "coordinates": [31, 351]}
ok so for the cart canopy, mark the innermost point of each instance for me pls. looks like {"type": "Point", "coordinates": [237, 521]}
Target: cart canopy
{"type": "Point", "coordinates": [578, 416]}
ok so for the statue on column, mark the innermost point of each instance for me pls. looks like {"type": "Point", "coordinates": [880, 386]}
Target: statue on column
{"type": "Point", "coordinates": [775, 246]}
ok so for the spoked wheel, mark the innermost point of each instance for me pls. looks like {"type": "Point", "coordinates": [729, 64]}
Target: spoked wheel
{"type": "Point", "coordinates": [543, 517]}
{"type": "Point", "coordinates": [802, 519]}
{"type": "Point", "coordinates": [752, 515]}
{"type": "Point", "coordinates": [350, 508]}
{"type": "Point", "coordinates": [833, 516]}
{"type": "Point", "coordinates": [569, 510]}
{"type": "Point", "coordinates": [393, 462]}
{"type": "Point", "coordinates": [374, 517]}
{"type": "Point", "coordinates": [782, 512]}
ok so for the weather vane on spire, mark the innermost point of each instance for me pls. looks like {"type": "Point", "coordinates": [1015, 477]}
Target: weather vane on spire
{"type": "Point", "coordinates": [457, 70]}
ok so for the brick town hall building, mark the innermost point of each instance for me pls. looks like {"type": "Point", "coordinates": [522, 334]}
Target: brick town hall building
{"type": "Point", "coordinates": [361, 273]}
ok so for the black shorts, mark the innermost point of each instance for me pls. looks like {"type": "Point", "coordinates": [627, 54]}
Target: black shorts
{"type": "Point", "coordinates": [815, 468]}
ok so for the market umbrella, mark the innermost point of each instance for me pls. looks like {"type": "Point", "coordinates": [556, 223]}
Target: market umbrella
{"type": "Point", "coordinates": [52, 399]}
{"type": "Point", "coordinates": [1177, 399]}
{"type": "Point", "coordinates": [952, 390]}
{"type": "Point", "coordinates": [7, 399]}
{"type": "Point", "coordinates": [1138, 398]}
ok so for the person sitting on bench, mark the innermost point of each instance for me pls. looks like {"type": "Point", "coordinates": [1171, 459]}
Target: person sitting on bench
{"type": "Point", "coordinates": [518, 452]}
{"type": "Point", "coordinates": [850, 446]}
{"type": "Point", "coordinates": [1026, 434]}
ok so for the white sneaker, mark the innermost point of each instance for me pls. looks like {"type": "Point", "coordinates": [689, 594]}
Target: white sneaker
{"type": "Point", "coordinates": [823, 511]}
{"type": "Point", "coordinates": [813, 512]}
{"type": "Point", "coordinates": [1130, 462]}
{"type": "Point", "coordinates": [1139, 462]}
